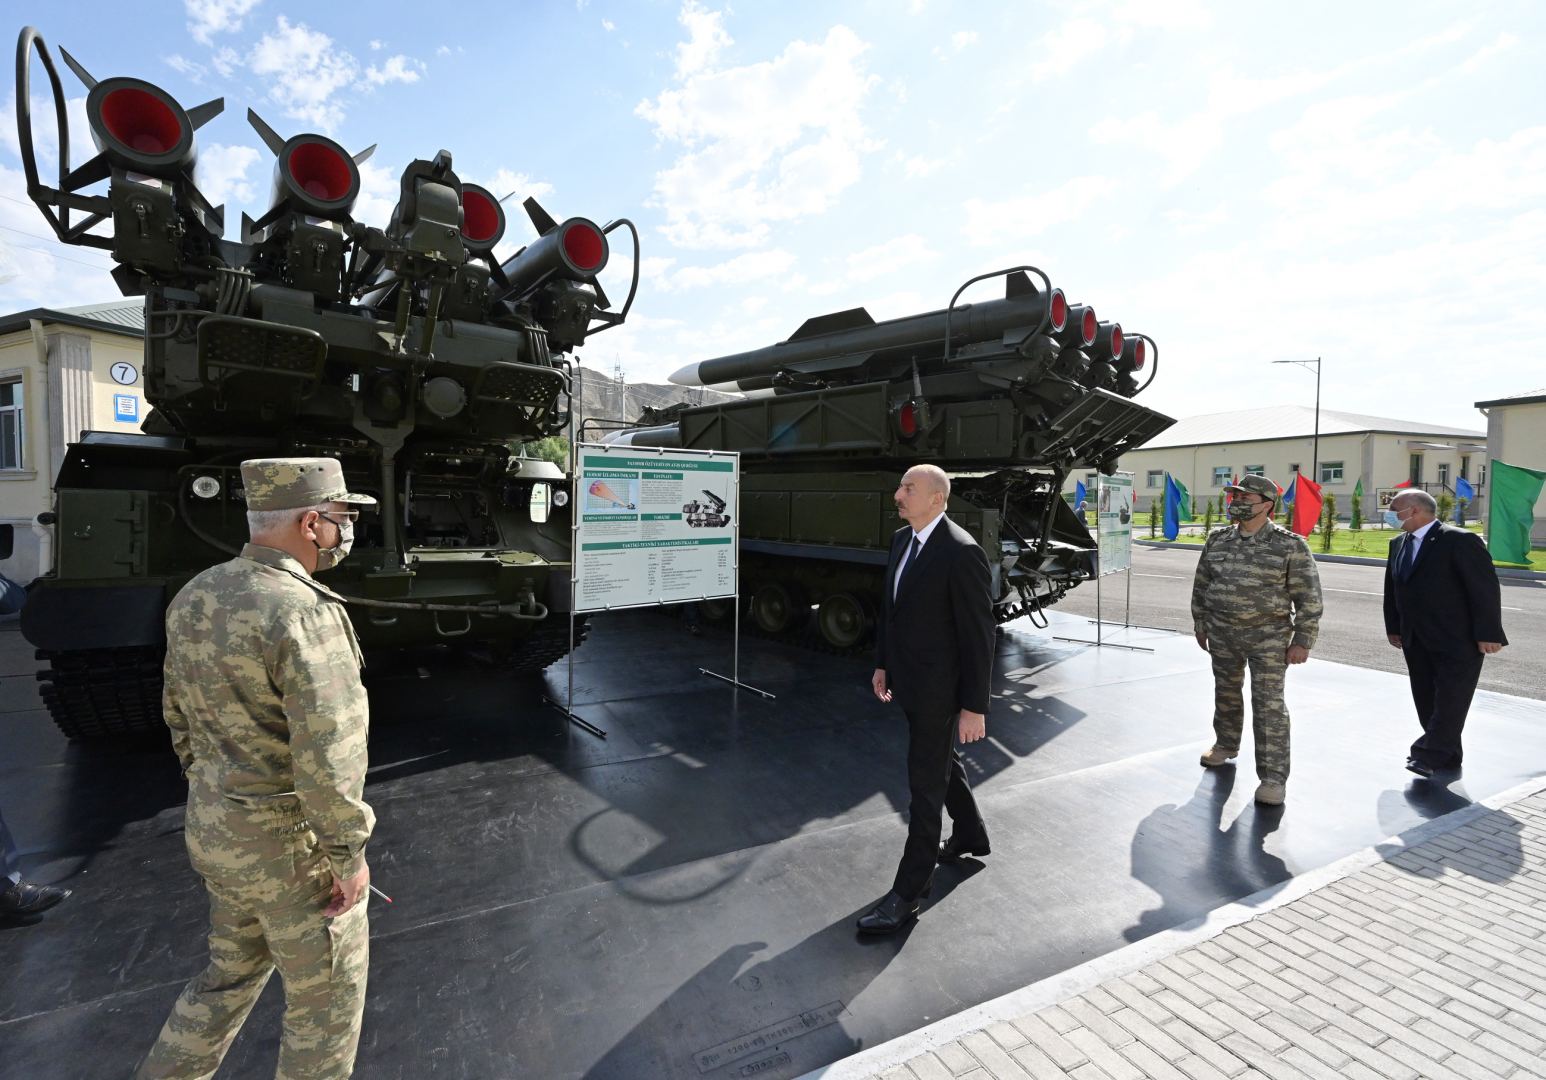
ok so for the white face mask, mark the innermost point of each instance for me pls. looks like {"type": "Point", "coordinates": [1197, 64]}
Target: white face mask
{"type": "Point", "coordinates": [329, 557]}
{"type": "Point", "coordinates": [1392, 519]}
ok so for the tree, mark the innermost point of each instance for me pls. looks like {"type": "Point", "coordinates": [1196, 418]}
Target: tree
{"type": "Point", "coordinates": [1355, 521]}
{"type": "Point", "coordinates": [554, 448]}
{"type": "Point", "coordinates": [1155, 512]}
{"type": "Point", "coordinates": [1207, 519]}
{"type": "Point", "coordinates": [1446, 503]}
{"type": "Point", "coordinates": [1328, 521]}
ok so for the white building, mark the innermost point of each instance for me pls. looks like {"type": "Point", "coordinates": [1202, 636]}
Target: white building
{"type": "Point", "coordinates": [1206, 452]}
{"type": "Point", "coordinates": [1516, 435]}
{"type": "Point", "coordinates": [61, 372]}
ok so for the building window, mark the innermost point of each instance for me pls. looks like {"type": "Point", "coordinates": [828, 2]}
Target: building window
{"type": "Point", "coordinates": [1221, 475]}
{"type": "Point", "coordinates": [1481, 476]}
{"type": "Point", "coordinates": [12, 433]}
{"type": "Point", "coordinates": [1256, 470]}
{"type": "Point", "coordinates": [1443, 474]}
{"type": "Point", "coordinates": [1156, 478]}
{"type": "Point", "coordinates": [1414, 469]}
{"type": "Point", "coordinates": [1465, 466]}
{"type": "Point", "coordinates": [1331, 472]}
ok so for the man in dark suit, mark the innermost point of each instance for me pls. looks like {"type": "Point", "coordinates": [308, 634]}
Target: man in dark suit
{"type": "Point", "coordinates": [1443, 609]}
{"type": "Point", "coordinates": [934, 656]}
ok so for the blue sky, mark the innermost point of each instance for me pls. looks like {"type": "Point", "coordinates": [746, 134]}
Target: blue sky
{"type": "Point", "coordinates": [1244, 182]}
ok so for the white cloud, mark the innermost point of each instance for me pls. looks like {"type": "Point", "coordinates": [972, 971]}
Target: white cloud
{"type": "Point", "coordinates": [706, 39]}
{"type": "Point", "coordinates": [918, 166]}
{"type": "Point", "coordinates": [399, 68]}
{"type": "Point", "coordinates": [1487, 54]}
{"type": "Point", "coordinates": [753, 266]}
{"type": "Point", "coordinates": [222, 173]}
{"type": "Point", "coordinates": [376, 44]}
{"type": "Point", "coordinates": [206, 18]}
{"type": "Point", "coordinates": [894, 254]}
{"type": "Point", "coordinates": [608, 25]}
{"type": "Point", "coordinates": [1066, 47]}
{"type": "Point", "coordinates": [959, 40]}
{"type": "Point", "coordinates": [990, 222]}
{"type": "Point", "coordinates": [766, 142]}
{"type": "Point", "coordinates": [193, 71]}
{"type": "Point", "coordinates": [225, 60]}
{"type": "Point", "coordinates": [379, 189]}
{"type": "Point", "coordinates": [45, 136]}
{"type": "Point", "coordinates": [444, 50]}
{"type": "Point", "coordinates": [37, 271]}
{"type": "Point", "coordinates": [305, 72]}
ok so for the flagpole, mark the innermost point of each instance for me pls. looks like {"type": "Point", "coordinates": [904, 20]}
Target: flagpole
{"type": "Point", "coordinates": [1315, 439]}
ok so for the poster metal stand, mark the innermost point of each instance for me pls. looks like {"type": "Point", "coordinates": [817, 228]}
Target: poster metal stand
{"type": "Point", "coordinates": [567, 705]}
{"type": "Point", "coordinates": [1127, 572]}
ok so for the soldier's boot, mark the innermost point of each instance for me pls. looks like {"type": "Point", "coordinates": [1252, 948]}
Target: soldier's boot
{"type": "Point", "coordinates": [1218, 756]}
{"type": "Point", "coordinates": [1270, 792]}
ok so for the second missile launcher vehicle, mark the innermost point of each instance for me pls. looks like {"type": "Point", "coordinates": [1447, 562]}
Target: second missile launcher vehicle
{"type": "Point", "coordinates": [1008, 396]}
{"type": "Point", "coordinates": [406, 349]}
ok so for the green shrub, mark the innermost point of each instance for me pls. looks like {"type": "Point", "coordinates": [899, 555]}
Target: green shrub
{"type": "Point", "coordinates": [1328, 522]}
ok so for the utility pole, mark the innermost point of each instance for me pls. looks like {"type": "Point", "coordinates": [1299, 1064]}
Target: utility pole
{"type": "Point", "coordinates": [1315, 440]}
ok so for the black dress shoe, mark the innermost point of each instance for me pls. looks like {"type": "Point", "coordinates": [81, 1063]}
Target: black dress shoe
{"type": "Point", "coordinates": [1413, 765]}
{"type": "Point", "coordinates": [952, 850]}
{"type": "Point", "coordinates": [888, 916]}
{"type": "Point", "coordinates": [24, 898]}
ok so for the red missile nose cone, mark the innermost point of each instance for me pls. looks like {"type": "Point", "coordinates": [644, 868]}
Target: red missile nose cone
{"type": "Point", "coordinates": [1059, 310]}
{"type": "Point", "coordinates": [584, 245]}
{"type": "Point", "coordinates": [1140, 354]}
{"type": "Point", "coordinates": [1116, 339]}
{"type": "Point", "coordinates": [141, 121]}
{"type": "Point", "coordinates": [321, 171]}
{"type": "Point", "coordinates": [1087, 327]}
{"type": "Point", "coordinates": [482, 219]}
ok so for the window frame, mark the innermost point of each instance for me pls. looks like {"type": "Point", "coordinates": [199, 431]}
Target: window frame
{"type": "Point", "coordinates": [18, 410]}
{"type": "Point", "coordinates": [1327, 466]}
{"type": "Point", "coordinates": [1149, 479]}
{"type": "Point", "coordinates": [1222, 475]}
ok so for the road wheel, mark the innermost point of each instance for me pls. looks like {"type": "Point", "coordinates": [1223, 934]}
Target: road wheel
{"type": "Point", "coordinates": [717, 610]}
{"type": "Point", "coordinates": [844, 620]}
{"type": "Point", "coordinates": [777, 608]}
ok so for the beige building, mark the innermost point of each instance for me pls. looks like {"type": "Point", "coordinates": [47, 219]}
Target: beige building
{"type": "Point", "coordinates": [1207, 452]}
{"type": "Point", "coordinates": [61, 372]}
{"type": "Point", "coordinates": [1516, 435]}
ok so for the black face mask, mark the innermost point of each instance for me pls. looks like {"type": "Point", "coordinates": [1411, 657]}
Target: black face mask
{"type": "Point", "coordinates": [1241, 512]}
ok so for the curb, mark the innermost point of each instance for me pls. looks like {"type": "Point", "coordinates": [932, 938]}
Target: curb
{"type": "Point", "coordinates": [1130, 958]}
{"type": "Point", "coordinates": [1502, 571]}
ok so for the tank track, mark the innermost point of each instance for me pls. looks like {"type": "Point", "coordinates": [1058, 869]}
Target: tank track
{"type": "Point", "coordinates": [104, 693]}
{"type": "Point", "coordinates": [546, 645]}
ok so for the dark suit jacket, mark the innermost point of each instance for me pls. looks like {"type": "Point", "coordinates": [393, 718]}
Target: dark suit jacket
{"type": "Point", "coordinates": [1451, 599]}
{"type": "Point", "coordinates": [935, 639]}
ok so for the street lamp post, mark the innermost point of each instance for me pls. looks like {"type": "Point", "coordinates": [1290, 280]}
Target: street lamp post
{"type": "Point", "coordinates": [1315, 441]}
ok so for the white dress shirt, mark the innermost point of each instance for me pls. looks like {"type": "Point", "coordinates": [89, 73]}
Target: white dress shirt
{"type": "Point", "coordinates": [922, 538]}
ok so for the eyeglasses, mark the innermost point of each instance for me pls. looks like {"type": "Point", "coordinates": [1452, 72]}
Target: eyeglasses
{"type": "Point", "coordinates": [349, 517]}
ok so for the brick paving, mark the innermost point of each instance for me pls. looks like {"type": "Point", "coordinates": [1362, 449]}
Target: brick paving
{"type": "Point", "coordinates": [1430, 963]}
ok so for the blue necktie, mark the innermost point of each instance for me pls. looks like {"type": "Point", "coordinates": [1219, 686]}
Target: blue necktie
{"type": "Point", "coordinates": [1409, 556]}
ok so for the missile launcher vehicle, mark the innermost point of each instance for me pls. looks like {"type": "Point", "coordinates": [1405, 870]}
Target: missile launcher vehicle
{"type": "Point", "coordinates": [406, 349]}
{"type": "Point", "coordinates": [1008, 396]}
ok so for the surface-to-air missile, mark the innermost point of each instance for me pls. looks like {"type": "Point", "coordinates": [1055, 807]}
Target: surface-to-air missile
{"type": "Point", "coordinates": [1008, 396]}
{"type": "Point", "coordinates": [408, 351]}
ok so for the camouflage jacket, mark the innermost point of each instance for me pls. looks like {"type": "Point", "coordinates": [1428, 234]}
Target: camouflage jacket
{"type": "Point", "coordinates": [264, 700]}
{"type": "Point", "coordinates": [1266, 579]}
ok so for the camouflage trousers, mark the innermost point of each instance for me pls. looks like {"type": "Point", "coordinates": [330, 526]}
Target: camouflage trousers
{"type": "Point", "coordinates": [1262, 649]}
{"type": "Point", "coordinates": [266, 916]}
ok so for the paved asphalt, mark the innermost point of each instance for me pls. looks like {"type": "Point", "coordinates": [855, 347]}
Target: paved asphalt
{"type": "Point", "coordinates": [1353, 629]}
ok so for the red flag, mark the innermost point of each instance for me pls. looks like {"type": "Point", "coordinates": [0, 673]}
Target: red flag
{"type": "Point", "coordinates": [1229, 496]}
{"type": "Point", "coordinates": [1307, 505]}
{"type": "Point", "coordinates": [1404, 483]}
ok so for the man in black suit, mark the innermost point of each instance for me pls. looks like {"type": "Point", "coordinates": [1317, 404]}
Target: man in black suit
{"type": "Point", "coordinates": [1443, 609]}
{"type": "Point", "coordinates": [934, 656]}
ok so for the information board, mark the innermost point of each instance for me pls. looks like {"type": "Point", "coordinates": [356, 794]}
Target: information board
{"type": "Point", "coordinates": [653, 527]}
{"type": "Point", "coordinates": [1114, 522]}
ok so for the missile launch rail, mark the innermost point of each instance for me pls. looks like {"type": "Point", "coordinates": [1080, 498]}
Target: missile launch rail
{"type": "Point", "coordinates": [1009, 396]}
{"type": "Point", "coordinates": [409, 351]}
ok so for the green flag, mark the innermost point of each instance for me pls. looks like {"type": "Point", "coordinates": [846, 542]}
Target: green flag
{"type": "Point", "coordinates": [1186, 499]}
{"type": "Point", "coordinates": [1511, 511]}
{"type": "Point", "coordinates": [1358, 489]}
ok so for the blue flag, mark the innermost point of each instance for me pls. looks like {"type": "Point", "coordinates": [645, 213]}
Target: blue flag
{"type": "Point", "coordinates": [1288, 496]}
{"type": "Point", "coordinates": [1172, 509]}
{"type": "Point", "coordinates": [1464, 490]}
{"type": "Point", "coordinates": [1079, 494]}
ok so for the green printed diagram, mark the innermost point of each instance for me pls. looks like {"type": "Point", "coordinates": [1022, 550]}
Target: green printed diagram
{"type": "Point", "coordinates": [709, 515]}
{"type": "Point", "coordinates": [602, 495]}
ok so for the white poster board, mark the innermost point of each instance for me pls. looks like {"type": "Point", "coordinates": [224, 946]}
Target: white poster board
{"type": "Point", "coordinates": [1114, 522]}
{"type": "Point", "coordinates": [653, 527]}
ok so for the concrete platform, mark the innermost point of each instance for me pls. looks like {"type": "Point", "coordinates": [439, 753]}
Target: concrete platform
{"type": "Point", "coordinates": [678, 899]}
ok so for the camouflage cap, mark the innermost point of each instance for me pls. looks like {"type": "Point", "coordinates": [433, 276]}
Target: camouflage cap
{"type": "Point", "coordinates": [295, 483]}
{"type": "Point", "coordinates": [1255, 485]}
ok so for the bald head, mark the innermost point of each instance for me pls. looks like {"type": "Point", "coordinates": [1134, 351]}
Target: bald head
{"type": "Point", "coordinates": [923, 495]}
{"type": "Point", "coordinates": [1414, 509]}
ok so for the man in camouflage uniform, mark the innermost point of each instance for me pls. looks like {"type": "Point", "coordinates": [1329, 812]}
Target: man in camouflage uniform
{"type": "Point", "coordinates": [269, 720]}
{"type": "Point", "coordinates": [1256, 601]}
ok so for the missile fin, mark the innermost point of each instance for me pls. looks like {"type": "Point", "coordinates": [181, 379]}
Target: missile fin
{"type": "Point", "coordinates": [364, 155]}
{"type": "Point", "coordinates": [269, 136]}
{"type": "Point", "coordinates": [98, 168]}
{"type": "Point", "coordinates": [200, 115]}
{"type": "Point", "coordinates": [1019, 284]}
{"type": "Point", "coordinates": [80, 72]}
{"type": "Point", "coordinates": [852, 319]}
{"type": "Point", "coordinates": [541, 220]}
